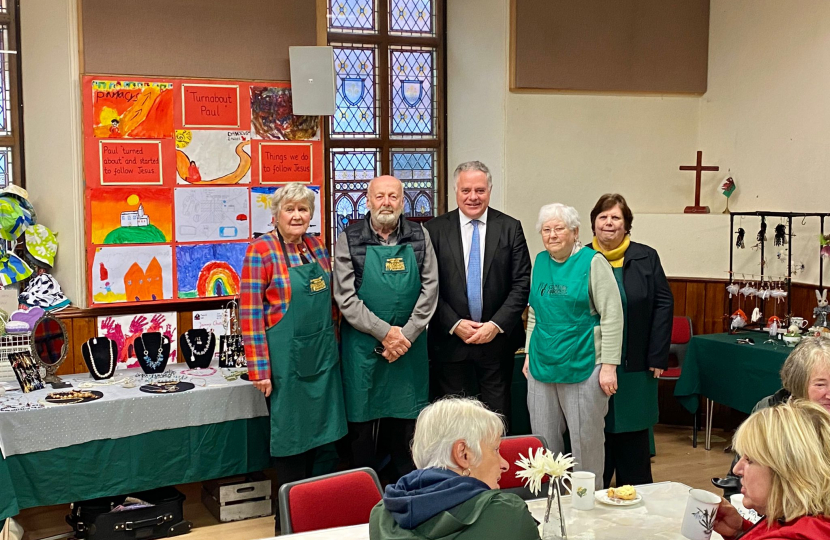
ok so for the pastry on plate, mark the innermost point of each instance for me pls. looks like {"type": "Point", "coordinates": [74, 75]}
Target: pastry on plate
{"type": "Point", "coordinates": [625, 493]}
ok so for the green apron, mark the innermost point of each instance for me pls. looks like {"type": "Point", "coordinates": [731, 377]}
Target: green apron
{"type": "Point", "coordinates": [562, 346]}
{"type": "Point", "coordinates": [307, 399]}
{"type": "Point", "coordinates": [634, 406]}
{"type": "Point", "coordinates": [374, 387]}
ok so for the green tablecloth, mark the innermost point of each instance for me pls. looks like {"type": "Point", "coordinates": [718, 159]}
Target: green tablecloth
{"type": "Point", "coordinates": [735, 375]}
{"type": "Point", "coordinates": [119, 466]}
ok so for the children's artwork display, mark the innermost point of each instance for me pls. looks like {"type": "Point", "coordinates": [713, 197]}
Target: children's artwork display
{"type": "Point", "coordinates": [178, 177]}
{"type": "Point", "coordinates": [125, 329]}
{"type": "Point", "coordinates": [207, 270]}
{"type": "Point", "coordinates": [262, 220]}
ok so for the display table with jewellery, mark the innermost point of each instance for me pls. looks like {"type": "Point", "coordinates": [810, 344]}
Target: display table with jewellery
{"type": "Point", "coordinates": [128, 433]}
{"type": "Point", "coordinates": [657, 516]}
{"type": "Point", "coordinates": [727, 369]}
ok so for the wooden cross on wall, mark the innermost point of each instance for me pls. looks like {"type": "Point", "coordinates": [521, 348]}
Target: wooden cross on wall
{"type": "Point", "coordinates": [697, 209]}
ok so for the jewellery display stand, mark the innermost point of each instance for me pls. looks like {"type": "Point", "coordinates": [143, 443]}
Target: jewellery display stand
{"type": "Point", "coordinates": [101, 357]}
{"type": "Point", "coordinates": [764, 276]}
{"type": "Point", "coordinates": [197, 346]}
{"type": "Point", "coordinates": [153, 351]}
{"type": "Point", "coordinates": [12, 343]}
{"type": "Point", "coordinates": [26, 369]}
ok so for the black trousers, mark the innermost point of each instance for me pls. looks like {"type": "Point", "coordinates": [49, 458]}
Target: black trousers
{"type": "Point", "coordinates": [292, 469]}
{"type": "Point", "coordinates": [370, 443]}
{"type": "Point", "coordinates": [488, 379]}
{"type": "Point", "coordinates": [629, 456]}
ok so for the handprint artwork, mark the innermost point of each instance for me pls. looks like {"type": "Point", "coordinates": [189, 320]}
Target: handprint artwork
{"type": "Point", "coordinates": [125, 329]}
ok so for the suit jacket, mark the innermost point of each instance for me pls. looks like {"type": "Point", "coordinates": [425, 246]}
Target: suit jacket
{"type": "Point", "coordinates": [650, 308]}
{"type": "Point", "coordinates": [505, 286]}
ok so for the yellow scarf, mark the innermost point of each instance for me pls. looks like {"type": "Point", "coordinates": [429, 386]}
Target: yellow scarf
{"type": "Point", "coordinates": [614, 256]}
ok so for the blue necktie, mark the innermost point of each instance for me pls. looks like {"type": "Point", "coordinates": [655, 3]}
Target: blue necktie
{"type": "Point", "coordinates": [474, 275]}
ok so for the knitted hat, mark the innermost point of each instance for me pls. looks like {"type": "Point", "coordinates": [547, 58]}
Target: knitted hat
{"type": "Point", "coordinates": [41, 246]}
{"type": "Point", "coordinates": [44, 291]}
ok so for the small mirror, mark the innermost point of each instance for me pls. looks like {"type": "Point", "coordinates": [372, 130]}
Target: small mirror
{"type": "Point", "coordinates": [49, 344]}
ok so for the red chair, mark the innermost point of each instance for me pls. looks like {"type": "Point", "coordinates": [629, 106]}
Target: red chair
{"type": "Point", "coordinates": [332, 500]}
{"type": "Point", "coordinates": [681, 335]}
{"type": "Point", "coordinates": [510, 449]}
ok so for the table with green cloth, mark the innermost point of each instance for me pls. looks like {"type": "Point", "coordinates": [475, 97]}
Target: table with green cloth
{"type": "Point", "coordinates": [727, 372]}
{"type": "Point", "coordinates": [102, 466]}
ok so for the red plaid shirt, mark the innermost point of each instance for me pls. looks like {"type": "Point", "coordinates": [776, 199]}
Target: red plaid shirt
{"type": "Point", "coordinates": [266, 292]}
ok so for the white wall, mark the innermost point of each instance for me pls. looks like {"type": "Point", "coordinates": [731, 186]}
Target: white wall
{"type": "Point", "coordinates": [764, 120]}
{"type": "Point", "coordinates": [52, 130]}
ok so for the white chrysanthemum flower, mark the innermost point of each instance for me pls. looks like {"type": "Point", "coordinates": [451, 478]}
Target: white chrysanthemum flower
{"type": "Point", "coordinates": [540, 464]}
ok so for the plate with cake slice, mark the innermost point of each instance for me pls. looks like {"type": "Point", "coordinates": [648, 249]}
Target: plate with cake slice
{"type": "Point", "coordinates": [621, 496]}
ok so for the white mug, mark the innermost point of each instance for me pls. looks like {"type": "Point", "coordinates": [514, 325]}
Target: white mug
{"type": "Point", "coordinates": [799, 322]}
{"type": "Point", "coordinates": [699, 516]}
{"type": "Point", "coordinates": [582, 490]}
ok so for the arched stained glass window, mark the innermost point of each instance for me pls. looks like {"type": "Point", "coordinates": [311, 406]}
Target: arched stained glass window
{"type": "Point", "coordinates": [389, 60]}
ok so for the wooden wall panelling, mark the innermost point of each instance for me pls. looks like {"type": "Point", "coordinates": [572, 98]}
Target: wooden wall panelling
{"type": "Point", "coordinates": [715, 308]}
{"type": "Point", "coordinates": [695, 304]}
{"type": "Point", "coordinates": [678, 290]}
{"type": "Point", "coordinates": [83, 328]}
{"type": "Point", "coordinates": [185, 324]}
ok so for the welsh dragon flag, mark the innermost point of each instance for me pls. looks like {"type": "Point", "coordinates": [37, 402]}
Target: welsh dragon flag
{"type": "Point", "coordinates": [728, 187]}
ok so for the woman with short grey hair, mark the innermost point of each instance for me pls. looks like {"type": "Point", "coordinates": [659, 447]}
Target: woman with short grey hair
{"type": "Point", "coordinates": [288, 332]}
{"type": "Point", "coordinates": [456, 450]}
{"type": "Point", "coordinates": [574, 340]}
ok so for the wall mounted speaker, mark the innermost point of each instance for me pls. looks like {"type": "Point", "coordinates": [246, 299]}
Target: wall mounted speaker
{"type": "Point", "coordinates": [312, 80]}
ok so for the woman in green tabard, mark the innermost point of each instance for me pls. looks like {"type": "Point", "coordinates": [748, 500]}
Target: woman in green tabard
{"type": "Point", "coordinates": [574, 337]}
{"type": "Point", "coordinates": [290, 346]}
{"type": "Point", "coordinates": [648, 305]}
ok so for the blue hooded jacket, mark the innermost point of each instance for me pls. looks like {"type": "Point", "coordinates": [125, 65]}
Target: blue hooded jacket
{"type": "Point", "coordinates": [424, 493]}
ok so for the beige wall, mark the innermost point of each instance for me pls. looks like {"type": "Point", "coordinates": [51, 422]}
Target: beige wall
{"type": "Point", "coordinates": [52, 104]}
{"type": "Point", "coordinates": [764, 120]}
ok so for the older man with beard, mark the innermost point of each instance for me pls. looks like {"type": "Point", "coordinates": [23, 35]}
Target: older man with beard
{"type": "Point", "coordinates": [386, 286]}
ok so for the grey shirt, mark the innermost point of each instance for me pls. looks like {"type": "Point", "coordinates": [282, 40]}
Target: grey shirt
{"type": "Point", "coordinates": [356, 312]}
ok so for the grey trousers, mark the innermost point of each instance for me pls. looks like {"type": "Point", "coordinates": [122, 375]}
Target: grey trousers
{"type": "Point", "coordinates": [577, 407]}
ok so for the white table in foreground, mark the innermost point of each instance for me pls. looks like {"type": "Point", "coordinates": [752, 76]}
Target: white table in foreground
{"type": "Point", "coordinates": [657, 517]}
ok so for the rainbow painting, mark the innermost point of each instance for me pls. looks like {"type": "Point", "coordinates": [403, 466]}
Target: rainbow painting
{"type": "Point", "coordinates": [209, 270]}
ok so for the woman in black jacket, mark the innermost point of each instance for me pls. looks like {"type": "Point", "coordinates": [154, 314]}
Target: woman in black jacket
{"type": "Point", "coordinates": [648, 305]}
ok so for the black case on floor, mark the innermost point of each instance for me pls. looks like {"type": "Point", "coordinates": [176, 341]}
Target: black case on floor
{"type": "Point", "coordinates": [94, 520]}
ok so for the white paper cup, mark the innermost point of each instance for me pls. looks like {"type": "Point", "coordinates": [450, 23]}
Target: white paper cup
{"type": "Point", "coordinates": [582, 490]}
{"type": "Point", "coordinates": [699, 516]}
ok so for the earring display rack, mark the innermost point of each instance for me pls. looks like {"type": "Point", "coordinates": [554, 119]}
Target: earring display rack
{"type": "Point", "coordinates": [9, 344]}
{"type": "Point", "coordinates": [787, 279]}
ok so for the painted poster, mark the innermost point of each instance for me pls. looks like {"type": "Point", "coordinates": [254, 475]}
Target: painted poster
{"type": "Point", "coordinates": [262, 218]}
{"type": "Point", "coordinates": [207, 270]}
{"type": "Point", "coordinates": [132, 274]}
{"type": "Point", "coordinates": [126, 329]}
{"type": "Point", "coordinates": [209, 214]}
{"type": "Point", "coordinates": [281, 163]}
{"type": "Point", "coordinates": [131, 216]}
{"type": "Point", "coordinates": [213, 157]}
{"type": "Point", "coordinates": [142, 110]}
{"type": "Point", "coordinates": [271, 116]}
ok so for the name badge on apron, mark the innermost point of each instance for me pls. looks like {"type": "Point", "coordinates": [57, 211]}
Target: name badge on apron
{"type": "Point", "coordinates": [317, 284]}
{"type": "Point", "coordinates": [395, 264]}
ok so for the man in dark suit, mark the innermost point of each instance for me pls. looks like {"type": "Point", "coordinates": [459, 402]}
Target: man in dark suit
{"type": "Point", "coordinates": [483, 286]}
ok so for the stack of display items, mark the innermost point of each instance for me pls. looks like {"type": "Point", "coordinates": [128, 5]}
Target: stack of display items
{"type": "Point", "coordinates": [231, 349]}
{"type": "Point", "coordinates": [747, 298]}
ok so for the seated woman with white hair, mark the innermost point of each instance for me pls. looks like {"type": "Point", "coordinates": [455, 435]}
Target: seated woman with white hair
{"type": "Point", "coordinates": [785, 474]}
{"type": "Point", "coordinates": [454, 492]}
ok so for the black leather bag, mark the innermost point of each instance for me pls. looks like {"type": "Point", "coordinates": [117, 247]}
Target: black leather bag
{"type": "Point", "coordinates": [95, 520]}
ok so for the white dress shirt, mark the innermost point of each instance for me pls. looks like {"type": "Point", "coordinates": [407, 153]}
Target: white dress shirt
{"type": "Point", "coordinates": [466, 242]}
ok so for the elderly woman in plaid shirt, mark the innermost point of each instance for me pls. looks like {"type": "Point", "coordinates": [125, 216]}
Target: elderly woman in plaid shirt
{"type": "Point", "coordinates": [288, 331]}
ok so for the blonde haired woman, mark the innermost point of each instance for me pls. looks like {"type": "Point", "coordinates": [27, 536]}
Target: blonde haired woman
{"type": "Point", "coordinates": [785, 474]}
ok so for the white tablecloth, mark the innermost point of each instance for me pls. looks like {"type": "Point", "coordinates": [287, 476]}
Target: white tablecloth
{"type": "Point", "coordinates": [124, 412]}
{"type": "Point", "coordinates": [657, 517]}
